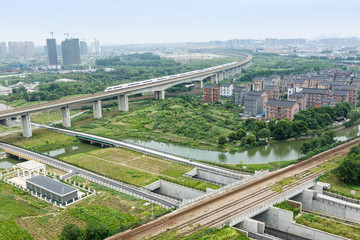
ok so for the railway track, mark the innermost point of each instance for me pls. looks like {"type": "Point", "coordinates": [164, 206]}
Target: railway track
{"type": "Point", "coordinates": [214, 212]}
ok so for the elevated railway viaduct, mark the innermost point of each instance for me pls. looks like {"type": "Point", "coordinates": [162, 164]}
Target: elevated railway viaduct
{"type": "Point", "coordinates": [216, 74]}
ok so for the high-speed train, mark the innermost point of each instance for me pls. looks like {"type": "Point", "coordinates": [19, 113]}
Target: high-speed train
{"type": "Point", "coordinates": [133, 84]}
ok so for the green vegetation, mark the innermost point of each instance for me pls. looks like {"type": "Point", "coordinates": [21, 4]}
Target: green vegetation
{"type": "Point", "coordinates": [349, 169]}
{"type": "Point", "coordinates": [225, 233]}
{"type": "Point", "coordinates": [268, 64]}
{"type": "Point", "coordinates": [186, 120]}
{"type": "Point", "coordinates": [108, 209]}
{"type": "Point", "coordinates": [288, 206]}
{"type": "Point", "coordinates": [42, 140]}
{"type": "Point", "coordinates": [345, 172]}
{"type": "Point", "coordinates": [49, 116]}
{"type": "Point", "coordinates": [329, 226]}
{"type": "Point", "coordinates": [135, 168]}
{"type": "Point", "coordinates": [9, 230]}
{"type": "Point", "coordinates": [127, 68]}
{"type": "Point", "coordinates": [327, 139]}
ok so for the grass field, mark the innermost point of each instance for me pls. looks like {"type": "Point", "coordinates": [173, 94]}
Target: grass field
{"type": "Point", "coordinates": [42, 140]}
{"type": "Point", "coordinates": [175, 120]}
{"type": "Point", "coordinates": [225, 233]}
{"type": "Point", "coordinates": [336, 184]}
{"type": "Point", "coordinates": [24, 217]}
{"type": "Point", "coordinates": [48, 117]}
{"type": "Point", "coordinates": [135, 168]}
{"type": "Point", "coordinates": [329, 226]}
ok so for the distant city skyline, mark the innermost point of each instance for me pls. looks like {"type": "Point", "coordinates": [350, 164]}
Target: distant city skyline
{"type": "Point", "coordinates": [161, 21]}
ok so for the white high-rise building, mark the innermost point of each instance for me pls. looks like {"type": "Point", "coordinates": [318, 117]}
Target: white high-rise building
{"type": "Point", "coordinates": [3, 49]}
{"type": "Point", "coordinates": [95, 46]}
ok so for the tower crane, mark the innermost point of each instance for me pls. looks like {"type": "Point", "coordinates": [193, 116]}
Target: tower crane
{"type": "Point", "coordinates": [52, 33]}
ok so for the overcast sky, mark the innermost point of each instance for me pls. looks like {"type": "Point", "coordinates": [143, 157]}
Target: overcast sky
{"type": "Point", "coordinates": [154, 21]}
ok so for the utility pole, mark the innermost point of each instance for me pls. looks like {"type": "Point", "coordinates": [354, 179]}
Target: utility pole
{"type": "Point", "coordinates": [38, 98]}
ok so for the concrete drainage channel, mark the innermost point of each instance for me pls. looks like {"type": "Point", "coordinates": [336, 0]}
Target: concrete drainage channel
{"type": "Point", "coordinates": [213, 177]}
{"type": "Point", "coordinates": [276, 223]}
{"type": "Point", "coordinates": [185, 194]}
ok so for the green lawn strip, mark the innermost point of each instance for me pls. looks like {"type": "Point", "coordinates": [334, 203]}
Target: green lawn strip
{"type": "Point", "coordinates": [18, 203]}
{"type": "Point", "coordinates": [336, 185]}
{"type": "Point", "coordinates": [329, 226]}
{"type": "Point", "coordinates": [287, 206]}
{"type": "Point", "coordinates": [9, 230]}
{"type": "Point", "coordinates": [42, 140]}
{"type": "Point", "coordinates": [225, 233]}
{"type": "Point", "coordinates": [135, 168]}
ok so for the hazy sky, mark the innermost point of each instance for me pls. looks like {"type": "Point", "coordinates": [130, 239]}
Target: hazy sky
{"type": "Point", "coordinates": [152, 21]}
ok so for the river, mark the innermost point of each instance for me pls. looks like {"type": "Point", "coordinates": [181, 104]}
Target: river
{"type": "Point", "coordinates": [277, 151]}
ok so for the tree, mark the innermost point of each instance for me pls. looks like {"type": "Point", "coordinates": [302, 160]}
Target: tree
{"type": "Point", "coordinates": [232, 136]}
{"type": "Point", "coordinates": [300, 126]}
{"type": "Point", "coordinates": [71, 232]}
{"type": "Point", "coordinates": [271, 125]}
{"type": "Point", "coordinates": [96, 231]}
{"type": "Point", "coordinates": [342, 109]}
{"type": "Point", "coordinates": [259, 125]}
{"type": "Point", "coordinates": [264, 133]}
{"type": "Point", "coordinates": [240, 133]}
{"type": "Point", "coordinates": [250, 139]}
{"type": "Point", "coordinates": [349, 169]}
{"type": "Point", "coordinates": [222, 140]}
{"type": "Point", "coordinates": [283, 129]}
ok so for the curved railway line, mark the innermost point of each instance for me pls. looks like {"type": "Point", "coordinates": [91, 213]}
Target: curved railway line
{"type": "Point", "coordinates": [216, 210]}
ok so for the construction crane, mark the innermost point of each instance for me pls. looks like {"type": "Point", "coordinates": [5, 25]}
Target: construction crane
{"type": "Point", "coordinates": [68, 34]}
{"type": "Point", "coordinates": [52, 33]}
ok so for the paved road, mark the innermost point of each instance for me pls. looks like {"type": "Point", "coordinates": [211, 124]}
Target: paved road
{"type": "Point", "coordinates": [119, 186]}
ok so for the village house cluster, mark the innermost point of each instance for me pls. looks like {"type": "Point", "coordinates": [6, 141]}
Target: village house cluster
{"type": "Point", "coordinates": [275, 98]}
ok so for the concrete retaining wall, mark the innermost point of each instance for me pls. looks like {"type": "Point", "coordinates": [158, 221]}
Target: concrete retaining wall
{"type": "Point", "coordinates": [173, 190]}
{"type": "Point", "coordinates": [283, 220]}
{"type": "Point", "coordinates": [213, 177]}
{"type": "Point", "coordinates": [314, 201]}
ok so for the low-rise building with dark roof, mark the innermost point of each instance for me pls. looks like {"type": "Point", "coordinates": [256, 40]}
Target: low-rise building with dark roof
{"type": "Point", "coordinates": [211, 93]}
{"type": "Point", "coordinates": [339, 96]}
{"type": "Point", "coordinates": [253, 104]}
{"type": "Point", "coordinates": [299, 98]}
{"type": "Point", "coordinates": [226, 89]}
{"type": "Point", "coordinates": [352, 92]}
{"type": "Point", "coordinates": [325, 102]}
{"type": "Point", "coordinates": [356, 82]}
{"type": "Point", "coordinates": [326, 84]}
{"type": "Point", "coordinates": [52, 189]}
{"type": "Point", "coordinates": [345, 79]}
{"type": "Point", "coordinates": [271, 91]}
{"type": "Point", "coordinates": [312, 95]}
{"type": "Point", "coordinates": [279, 109]}
{"type": "Point", "coordinates": [315, 80]}
{"type": "Point", "coordinates": [238, 95]}
{"type": "Point", "coordinates": [258, 93]}
{"type": "Point", "coordinates": [257, 83]}
{"type": "Point", "coordinates": [337, 85]}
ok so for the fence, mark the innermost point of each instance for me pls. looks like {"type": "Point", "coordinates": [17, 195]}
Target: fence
{"type": "Point", "coordinates": [147, 196]}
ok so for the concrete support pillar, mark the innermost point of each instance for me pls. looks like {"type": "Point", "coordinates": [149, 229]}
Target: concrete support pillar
{"type": "Point", "coordinates": [214, 79]}
{"type": "Point", "coordinates": [160, 95]}
{"type": "Point", "coordinates": [26, 125]}
{"type": "Point", "coordinates": [199, 84]}
{"type": "Point", "coordinates": [221, 76]}
{"type": "Point", "coordinates": [227, 73]}
{"type": "Point", "coordinates": [123, 103]}
{"type": "Point", "coordinates": [65, 116]}
{"type": "Point", "coordinates": [97, 109]}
